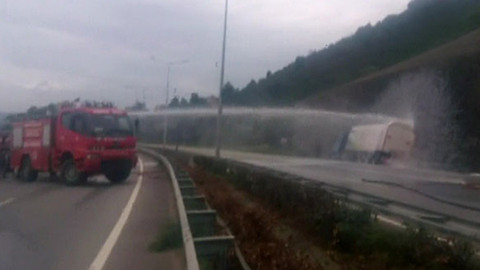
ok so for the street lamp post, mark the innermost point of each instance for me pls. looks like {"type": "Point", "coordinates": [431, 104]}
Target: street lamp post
{"type": "Point", "coordinates": [165, 120]}
{"type": "Point", "coordinates": [218, 140]}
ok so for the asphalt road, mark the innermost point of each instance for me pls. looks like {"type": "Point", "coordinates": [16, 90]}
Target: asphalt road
{"type": "Point", "coordinates": [432, 190]}
{"type": "Point", "coordinates": [47, 225]}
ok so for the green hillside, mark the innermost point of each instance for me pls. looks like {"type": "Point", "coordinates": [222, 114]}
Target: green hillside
{"type": "Point", "coordinates": [457, 62]}
{"type": "Point", "coordinates": [426, 24]}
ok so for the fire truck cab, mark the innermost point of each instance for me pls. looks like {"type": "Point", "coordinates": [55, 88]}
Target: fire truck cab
{"type": "Point", "coordinates": [75, 142]}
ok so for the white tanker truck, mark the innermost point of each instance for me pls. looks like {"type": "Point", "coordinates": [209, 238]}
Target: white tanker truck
{"type": "Point", "coordinates": [377, 143]}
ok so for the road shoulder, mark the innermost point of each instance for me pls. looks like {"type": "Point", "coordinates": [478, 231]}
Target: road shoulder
{"type": "Point", "coordinates": [154, 208]}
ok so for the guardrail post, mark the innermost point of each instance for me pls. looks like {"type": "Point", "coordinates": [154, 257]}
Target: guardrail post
{"type": "Point", "coordinates": [194, 203]}
{"type": "Point", "coordinates": [213, 251]}
{"type": "Point", "coordinates": [202, 222]}
{"type": "Point", "coordinates": [186, 182]}
{"type": "Point", "coordinates": [188, 191]}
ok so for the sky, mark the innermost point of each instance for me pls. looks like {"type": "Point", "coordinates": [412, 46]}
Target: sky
{"type": "Point", "coordinates": [119, 50]}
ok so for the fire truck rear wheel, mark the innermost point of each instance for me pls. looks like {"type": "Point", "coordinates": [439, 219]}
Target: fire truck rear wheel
{"type": "Point", "coordinates": [27, 173]}
{"type": "Point", "coordinates": [70, 174]}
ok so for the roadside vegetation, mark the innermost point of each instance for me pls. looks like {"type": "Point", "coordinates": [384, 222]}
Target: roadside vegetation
{"type": "Point", "coordinates": [169, 237]}
{"type": "Point", "coordinates": [282, 224]}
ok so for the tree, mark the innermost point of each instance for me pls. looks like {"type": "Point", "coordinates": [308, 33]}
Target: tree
{"type": "Point", "coordinates": [197, 101]}
{"type": "Point", "coordinates": [251, 85]}
{"type": "Point", "coordinates": [137, 106]}
{"type": "Point", "coordinates": [229, 95]}
{"type": "Point", "coordinates": [32, 110]}
{"type": "Point", "coordinates": [184, 103]}
{"type": "Point", "coordinates": [174, 103]}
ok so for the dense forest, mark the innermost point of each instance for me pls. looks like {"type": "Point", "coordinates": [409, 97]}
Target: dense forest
{"type": "Point", "coordinates": [426, 24]}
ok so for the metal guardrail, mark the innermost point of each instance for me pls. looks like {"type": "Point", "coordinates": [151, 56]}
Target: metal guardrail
{"type": "Point", "coordinates": [188, 241]}
{"type": "Point", "coordinates": [204, 247]}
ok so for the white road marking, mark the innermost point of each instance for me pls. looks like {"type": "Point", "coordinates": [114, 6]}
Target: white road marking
{"type": "Point", "coordinates": [150, 164]}
{"type": "Point", "coordinates": [7, 201]}
{"type": "Point", "coordinates": [107, 247]}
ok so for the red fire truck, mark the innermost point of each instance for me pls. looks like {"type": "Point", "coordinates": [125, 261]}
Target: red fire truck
{"type": "Point", "coordinates": [75, 142]}
{"type": "Point", "coordinates": [5, 142]}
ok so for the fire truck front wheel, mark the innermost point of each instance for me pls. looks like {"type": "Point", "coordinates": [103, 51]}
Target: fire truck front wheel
{"type": "Point", "coordinates": [27, 173]}
{"type": "Point", "coordinates": [70, 174]}
{"type": "Point", "coordinates": [118, 172]}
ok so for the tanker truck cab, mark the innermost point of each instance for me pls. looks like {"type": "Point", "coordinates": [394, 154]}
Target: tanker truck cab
{"type": "Point", "coordinates": [76, 143]}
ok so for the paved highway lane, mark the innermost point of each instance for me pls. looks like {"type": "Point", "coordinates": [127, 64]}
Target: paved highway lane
{"type": "Point", "coordinates": [47, 225]}
{"type": "Point", "coordinates": [433, 190]}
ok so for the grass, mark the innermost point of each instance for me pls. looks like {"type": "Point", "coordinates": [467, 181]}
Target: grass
{"type": "Point", "coordinates": [355, 232]}
{"type": "Point", "coordinates": [169, 237]}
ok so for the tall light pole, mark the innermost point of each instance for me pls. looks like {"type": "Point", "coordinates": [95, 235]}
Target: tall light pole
{"type": "Point", "coordinates": [165, 117]}
{"type": "Point", "coordinates": [165, 120]}
{"type": "Point", "coordinates": [218, 135]}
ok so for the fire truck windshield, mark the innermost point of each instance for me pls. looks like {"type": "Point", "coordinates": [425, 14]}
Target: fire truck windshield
{"type": "Point", "coordinates": [110, 125]}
